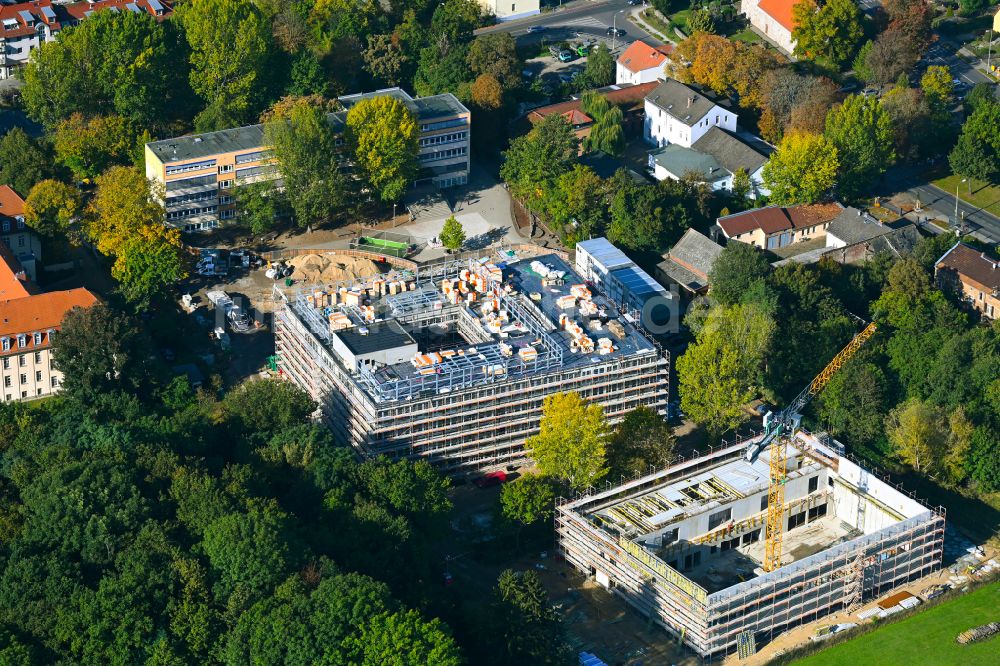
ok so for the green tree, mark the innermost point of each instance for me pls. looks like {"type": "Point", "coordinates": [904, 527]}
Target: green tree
{"type": "Point", "coordinates": [88, 146]}
{"type": "Point", "coordinates": [98, 351]}
{"type": "Point", "coordinates": [830, 32]}
{"type": "Point", "coordinates": [535, 160]}
{"type": "Point", "coordinates": [572, 439]}
{"type": "Point", "coordinates": [742, 185]}
{"type": "Point", "coordinates": [307, 76]}
{"type": "Point", "coordinates": [647, 218]}
{"type": "Point", "coordinates": [12, 651]}
{"type": "Point", "coordinates": [977, 153]}
{"type": "Point", "coordinates": [496, 54]}
{"type": "Point", "coordinates": [522, 627]}
{"type": "Point", "coordinates": [739, 270]}
{"type": "Point", "coordinates": [456, 19]}
{"type": "Point", "coordinates": [382, 135]}
{"type": "Point", "coordinates": [527, 500]}
{"type": "Point", "coordinates": [442, 67]}
{"type": "Point", "coordinates": [701, 21]}
{"type": "Point", "coordinates": [305, 147]}
{"type": "Point", "coordinates": [230, 45]}
{"type": "Point", "coordinates": [452, 234]}
{"type": "Point", "coordinates": [918, 433]}
{"type": "Point", "coordinates": [607, 134]}
{"type": "Point", "coordinates": [23, 161]}
{"type": "Point", "coordinates": [938, 89]}
{"type": "Point", "coordinates": [861, 131]}
{"type": "Point", "coordinates": [575, 204]}
{"type": "Point", "coordinates": [802, 170]}
{"type": "Point", "coordinates": [855, 402]}
{"type": "Point", "coordinates": [384, 59]}
{"type": "Point", "coordinates": [642, 440]}
{"type": "Point", "coordinates": [402, 639]}
{"type": "Point", "coordinates": [259, 205]}
{"type": "Point", "coordinates": [260, 409]}
{"type": "Point", "coordinates": [600, 69]}
{"type": "Point", "coordinates": [861, 68]}
{"type": "Point", "coordinates": [52, 207]}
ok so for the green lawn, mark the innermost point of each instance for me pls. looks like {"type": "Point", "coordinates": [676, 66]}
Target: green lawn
{"type": "Point", "coordinates": [680, 19]}
{"type": "Point", "coordinates": [983, 195]}
{"type": "Point", "coordinates": [925, 638]}
{"type": "Point", "coordinates": [746, 35]}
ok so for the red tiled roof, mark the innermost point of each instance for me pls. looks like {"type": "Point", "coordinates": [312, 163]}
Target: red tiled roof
{"type": "Point", "coordinates": [78, 10]}
{"type": "Point", "coordinates": [780, 11]}
{"type": "Point", "coordinates": [808, 215]}
{"type": "Point", "coordinates": [40, 312]}
{"type": "Point", "coordinates": [619, 97]}
{"type": "Point", "coordinates": [972, 264]}
{"type": "Point", "coordinates": [13, 282]}
{"type": "Point", "coordinates": [11, 204]}
{"type": "Point", "coordinates": [770, 220]}
{"type": "Point", "coordinates": [65, 14]}
{"type": "Point", "coordinates": [640, 56]}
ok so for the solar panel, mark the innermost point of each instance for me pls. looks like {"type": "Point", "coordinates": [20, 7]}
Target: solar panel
{"type": "Point", "coordinates": [26, 16]}
{"type": "Point", "coordinates": [155, 6]}
{"type": "Point", "coordinates": [48, 13]}
{"type": "Point", "coordinates": [134, 8]}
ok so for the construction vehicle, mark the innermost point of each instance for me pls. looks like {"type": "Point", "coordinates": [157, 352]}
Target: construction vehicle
{"type": "Point", "coordinates": [778, 428]}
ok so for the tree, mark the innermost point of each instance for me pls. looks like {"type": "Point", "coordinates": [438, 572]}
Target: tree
{"type": "Point", "coordinates": [527, 500]}
{"type": "Point", "coordinates": [861, 68]}
{"type": "Point", "coordinates": [648, 218]}
{"type": "Point", "coordinates": [384, 58]}
{"type": "Point", "coordinates": [891, 54]}
{"type": "Point", "coordinates": [575, 204]}
{"type": "Point", "coordinates": [977, 153]}
{"type": "Point", "coordinates": [522, 627]}
{"type": "Point", "coordinates": [861, 131]}
{"type": "Point", "coordinates": [230, 45]}
{"type": "Point", "coordinates": [739, 269]}
{"type": "Point", "coordinates": [911, 121]}
{"type": "Point", "coordinates": [981, 93]}
{"type": "Point", "coordinates": [701, 21]}
{"type": "Point", "coordinates": [642, 440]}
{"type": "Point", "coordinates": [52, 207]}
{"type": "Point", "coordinates": [487, 93]}
{"type": "Point", "coordinates": [831, 32]}
{"type": "Point", "coordinates": [307, 75]}
{"type": "Point", "coordinates": [742, 185]}
{"type": "Point", "coordinates": [607, 134]}
{"type": "Point", "coordinates": [88, 146]}
{"type": "Point", "coordinates": [98, 350]}
{"type": "Point", "coordinates": [442, 67]}
{"type": "Point", "coordinates": [496, 54]}
{"type": "Point", "coordinates": [854, 404]}
{"type": "Point", "coordinates": [938, 89]}
{"type": "Point", "coordinates": [802, 170]}
{"type": "Point", "coordinates": [125, 220]}
{"type": "Point", "coordinates": [306, 149]}
{"type": "Point", "coordinates": [259, 205]}
{"type": "Point", "coordinates": [402, 639]}
{"type": "Point", "coordinates": [23, 161]}
{"type": "Point", "coordinates": [382, 135]}
{"type": "Point", "coordinates": [259, 409]}
{"type": "Point", "coordinates": [536, 159]}
{"type": "Point", "coordinates": [571, 443]}
{"type": "Point", "coordinates": [456, 19]}
{"type": "Point", "coordinates": [712, 64]}
{"type": "Point", "coordinates": [600, 69]}
{"type": "Point", "coordinates": [452, 234]}
{"type": "Point", "coordinates": [919, 435]}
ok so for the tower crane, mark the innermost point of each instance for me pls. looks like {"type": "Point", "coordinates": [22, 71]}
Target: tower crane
{"type": "Point", "coordinates": [778, 428]}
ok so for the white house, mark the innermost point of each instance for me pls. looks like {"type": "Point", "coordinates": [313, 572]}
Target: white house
{"type": "Point", "coordinates": [676, 114]}
{"type": "Point", "coordinates": [713, 159]}
{"type": "Point", "coordinates": [642, 63]}
{"type": "Point", "coordinates": [774, 19]}
{"type": "Point", "coordinates": [507, 10]}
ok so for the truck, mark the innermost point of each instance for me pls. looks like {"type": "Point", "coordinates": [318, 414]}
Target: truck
{"type": "Point", "coordinates": [236, 315]}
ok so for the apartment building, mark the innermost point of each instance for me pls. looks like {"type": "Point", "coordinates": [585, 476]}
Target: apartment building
{"type": "Point", "coordinates": [451, 362]}
{"type": "Point", "coordinates": [678, 114]}
{"type": "Point", "coordinates": [26, 25]}
{"type": "Point", "coordinates": [973, 275]}
{"type": "Point", "coordinates": [28, 321]}
{"type": "Point", "coordinates": [23, 243]}
{"type": "Point", "coordinates": [200, 172]}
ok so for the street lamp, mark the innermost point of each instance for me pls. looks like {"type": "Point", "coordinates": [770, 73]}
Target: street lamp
{"type": "Point", "coordinates": [614, 28]}
{"type": "Point", "coordinates": [957, 185]}
{"type": "Point", "coordinates": [393, 213]}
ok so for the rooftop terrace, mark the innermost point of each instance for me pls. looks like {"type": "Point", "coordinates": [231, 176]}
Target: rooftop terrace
{"type": "Point", "coordinates": [510, 319]}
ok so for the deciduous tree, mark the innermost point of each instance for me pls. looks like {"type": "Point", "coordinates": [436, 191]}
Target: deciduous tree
{"type": "Point", "coordinates": [977, 153]}
{"type": "Point", "coordinates": [802, 170]}
{"type": "Point", "coordinates": [528, 499]}
{"type": "Point", "coordinates": [487, 93]}
{"type": "Point", "coordinates": [830, 32]}
{"type": "Point", "coordinates": [740, 269]}
{"type": "Point", "coordinates": [402, 639]}
{"type": "Point", "coordinates": [918, 433]}
{"type": "Point", "coordinates": [23, 161]}
{"type": "Point", "coordinates": [382, 135]}
{"type": "Point", "coordinates": [496, 54]}
{"type": "Point", "coordinates": [600, 69]}
{"type": "Point", "coordinates": [861, 132]}
{"type": "Point", "coordinates": [88, 146]}
{"type": "Point", "coordinates": [536, 159]}
{"type": "Point", "coordinates": [571, 443]}
{"type": "Point", "coordinates": [384, 59]}
{"type": "Point", "coordinates": [52, 207]}
{"type": "Point", "coordinates": [642, 440]}
{"type": "Point", "coordinates": [452, 234]}
{"type": "Point", "coordinates": [938, 89]}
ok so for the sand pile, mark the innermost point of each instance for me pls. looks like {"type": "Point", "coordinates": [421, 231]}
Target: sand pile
{"type": "Point", "coordinates": [317, 268]}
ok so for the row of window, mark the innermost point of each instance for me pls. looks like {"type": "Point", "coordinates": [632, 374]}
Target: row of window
{"type": "Point", "coordinates": [454, 122]}
{"type": "Point", "coordinates": [22, 360]}
{"type": "Point", "coordinates": [197, 196]}
{"type": "Point", "coordinates": [24, 380]}
{"type": "Point", "coordinates": [193, 181]}
{"type": "Point", "coordinates": [20, 241]}
{"type": "Point", "coordinates": [194, 166]}
{"type": "Point", "coordinates": [443, 154]}
{"type": "Point", "coordinates": [188, 212]}
{"type": "Point", "coordinates": [7, 226]}
{"type": "Point", "coordinates": [255, 156]}
{"type": "Point", "coordinates": [24, 394]}
{"type": "Point", "coordinates": [444, 138]}
{"type": "Point", "coordinates": [201, 226]}
{"type": "Point", "coordinates": [22, 340]}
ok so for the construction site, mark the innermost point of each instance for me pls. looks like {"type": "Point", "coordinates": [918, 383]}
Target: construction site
{"type": "Point", "coordinates": [451, 362]}
{"type": "Point", "coordinates": [687, 546]}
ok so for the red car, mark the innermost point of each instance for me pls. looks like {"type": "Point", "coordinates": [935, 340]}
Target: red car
{"type": "Point", "coordinates": [491, 479]}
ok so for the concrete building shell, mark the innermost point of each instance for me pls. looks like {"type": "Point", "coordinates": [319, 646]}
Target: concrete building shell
{"type": "Point", "coordinates": [888, 552]}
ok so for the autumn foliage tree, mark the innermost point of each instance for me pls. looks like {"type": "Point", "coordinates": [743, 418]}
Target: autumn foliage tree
{"type": "Point", "coordinates": [382, 135]}
{"type": "Point", "coordinates": [572, 439]}
{"type": "Point", "coordinates": [51, 207]}
{"type": "Point", "coordinates": [802, 170]}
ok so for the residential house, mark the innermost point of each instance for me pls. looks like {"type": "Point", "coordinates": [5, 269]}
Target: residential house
{"type": "Point", "coordinates": [713, 159]}
{"type": "Point", "coordinates": [631, 288]}
{"type": "Point", "coordinates": [630, 98]}
{"type": "Point", "coordinates": [507, 10]}
{"type": "Point", "coordinates": [774, 227]}
{"type": "Point", "coordinates": [23, 243]}
{"type": "Point", "coordinates": [678, 114]}
{"type": "Point", "coordinates": [773, 18]}
{"type": "Point", "coordinates": [974, 275]}
{"type": "Point", "coordinates": [689, 262]}
{"type": "Point", "coordinates": [24, 26]}
{"type": "Point", "coordinates": [28, 321]}
{"type": "Point", "coordinates": [200, 172]}
{"type": "Point", "coordinates": [642, 63]}
{"type": "Point", "coordinates": [855, 236]}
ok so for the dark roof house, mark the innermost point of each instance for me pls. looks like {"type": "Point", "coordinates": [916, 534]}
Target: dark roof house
{"type": "Point", "coordinates": [689, 262]}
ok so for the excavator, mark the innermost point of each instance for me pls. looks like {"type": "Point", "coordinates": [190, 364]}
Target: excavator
{"type": "Point", "coordinates": [778, 429]}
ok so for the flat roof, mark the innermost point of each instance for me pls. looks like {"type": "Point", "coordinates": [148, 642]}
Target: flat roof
{"type": "Point", "coordinates": [375, 337]}
{"type": "Point", "coordinates": [194, 146]}
{"type": "Point", "coordinates": [603, 252]}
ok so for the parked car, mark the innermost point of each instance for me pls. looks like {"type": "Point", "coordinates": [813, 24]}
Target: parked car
{"type": "Point", "coordinates": [829, 632]}
{"type": "Point", "coordinates": [566, 55]}
{"type": "Point", "coordinates": [535, 28]}
{"type": "Point", "coordinates": [615, 32]}
{"type": "Point", "coordinates": [491, 479]}
{"type": "Point", "coordinates": [580, 50]}
{"type": "Point", "coordinates": [554, 50]}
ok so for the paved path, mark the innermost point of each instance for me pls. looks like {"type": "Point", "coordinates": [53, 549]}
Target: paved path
{"type": "Point", "coordinates": [591, 18]}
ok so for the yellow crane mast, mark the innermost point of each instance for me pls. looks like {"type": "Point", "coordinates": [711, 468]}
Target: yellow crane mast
{"type": "Point", "coordinates": [778, 430]}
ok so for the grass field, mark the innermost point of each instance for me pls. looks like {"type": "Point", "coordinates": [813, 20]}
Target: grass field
{"type": "Point", "coordinates": [925, 638]}
{"type": "Point", "coordinates": [983, 195]}
{"type": "Point", "coordinates": [746, 35]}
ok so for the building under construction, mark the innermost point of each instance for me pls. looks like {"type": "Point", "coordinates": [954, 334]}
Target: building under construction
{"type": "Point", "coordinates": [452, 362]}
{"type": "Point", "coordinates": [685, 546]}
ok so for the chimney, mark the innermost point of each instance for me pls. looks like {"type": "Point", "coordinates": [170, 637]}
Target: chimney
{"type": "Point", "coordinates": [690, 99]}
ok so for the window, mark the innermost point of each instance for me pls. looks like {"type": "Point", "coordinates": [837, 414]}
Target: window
{"type": "Point", "coordinates": [22, 360]}
{"type": "Point", "coordinates": [38, 375]}
{"type": "Point", "coordinates": [38, 357]}
{"type": "Point", "coordinates": [226, 199]}
{"type": "Point", "coordinates": [796, 520]}
{"type": "Point", "coordinates": [6, 363]}
{"type": "Point", "coordinates": [5, 343]}
{"type": "Point", "coordinates": [763, 503]}
{"type": "Point", "coordinates": [227, 214]}
{"type": "Point", "coordinates": [813, 484]}
{"type": "Point", "coordinates": [669, 537]}
{"type": "Point", "coordinates": [22, 341]}
{"type": "Point", "coordinates": [193, 166]}
{"type": "Point", "coordinates": [512, 7]}
{"type": "Point", "coordinates": [24, 379]}
{"type": "Point", "coordinates": [256, 156]}
{"type": "Point", "coordinates": [20, 223]}
{"type": "Point", "coordinates": [225, 168]}
{"type": "Point", "coordinates": [6, 381]}
{"type": "Point", "coordinates": [224, 184]}
{"type": "Point", "coordinates": [20, 241]}
{"type": "Point", "coordinates": [719, 517]}
{"type": "Point", "coordinates": [38, 338]}
{"type": "Point", "coordinates": [55, 382]}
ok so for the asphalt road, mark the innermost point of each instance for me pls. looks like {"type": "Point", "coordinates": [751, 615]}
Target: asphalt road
{"type": "Point", "coordinates": [943, 202]}
{"type": "Point", "coordinates": [945, 53]}
{"type": "Point", "coordinates": [590, 18]}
